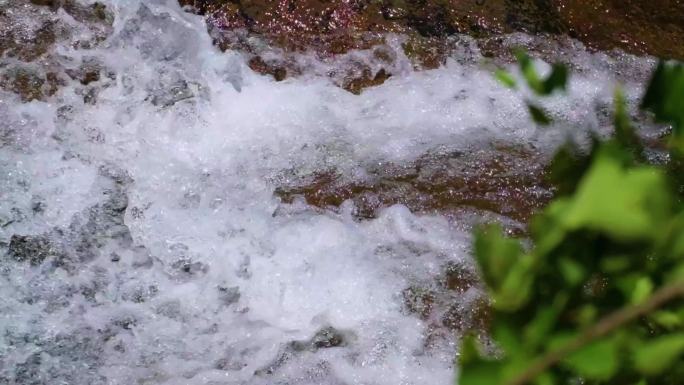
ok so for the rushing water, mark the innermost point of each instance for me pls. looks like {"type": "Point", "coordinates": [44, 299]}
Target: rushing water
{"type": "Point", "coordinates": [141, 241]}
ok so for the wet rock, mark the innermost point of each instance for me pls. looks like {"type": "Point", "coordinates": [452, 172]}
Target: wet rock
{"type": "Point", "coordinates": [636, 26]}
{"type": "Point", "coordinates": [331, 28]}
{"type": "Point", "coordinates": [28, 372]}
{"type": "Point", "coordinates": [506, 181]}
{"type": "Point", "coordinates": [419, 301]}
{"type": "Point", "coordinates": [473, 315]}
{"type": "Point", "coordinates": [142, 294]}
{"type": "Point", "coordinates": [26, 44]}
{"type": "Point", "coordinates": [426, 52]}
{"type": "Point", "coordinates": [29, 32]}
{"type": "Point", "coordinates": [459, 278]}
{"type": "Point", "coordinates": [278, 71]}
{"type": "Point", "coordinates": [38, 204]}
{"type": "Point", "coordinates": [229, 364]}
{"type": "Point", "coordinates": [87, 73]}
{"type": "Point", "coordinates": [29, 84]}
{"type": "Point", "coordinates": [32, 249]}
{"type": "Point", "coordinates": [172, 94]}
{"type": "Point", "coordinates": [365, 80]}
{"type": "Point", "coordinates": [327, 337]}
{"type": "Point", "coordinates": [104, 222]}
{"type": "Point", "coordinates": [187, 268]}
{"type": "Point", "coordinates": [229, 295]}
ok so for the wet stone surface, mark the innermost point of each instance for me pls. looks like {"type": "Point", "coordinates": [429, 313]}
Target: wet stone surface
{"type": "Point", "coordinates": [334, 27]}
{"type": "Point", "coordinates": [327, 337]}
{"type": "Point", "coordinates": [506, 181]}
{"type": "Point", "coordinates": [29, 33]}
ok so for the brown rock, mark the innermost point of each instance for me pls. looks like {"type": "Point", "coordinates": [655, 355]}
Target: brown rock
{"type": "Point", "coordinates": [258, 65]}
{"type": "Point", "coordinates": [505, 180]}
{"type": "Point", "coordinates": [356, 84]}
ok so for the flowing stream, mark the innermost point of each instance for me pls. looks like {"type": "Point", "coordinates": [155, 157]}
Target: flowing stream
{"type": "Point", "coordinates": [141, 241]}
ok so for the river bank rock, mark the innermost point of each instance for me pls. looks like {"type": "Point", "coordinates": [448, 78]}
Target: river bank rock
{"type": "Point", "coordinates": [330, 28]}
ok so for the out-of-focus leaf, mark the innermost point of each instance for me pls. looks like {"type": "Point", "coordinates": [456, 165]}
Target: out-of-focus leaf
{"type": "Point", "coordinates": [508, 339]}
{"type": "Point", "coordinates": [624, 132]}
{"type": "Point", "coordinates": [668, 319]}
{"type": "Point", "coordinates": [538, 115]}
{"type": "Point", "coordinates": [515, 289]}
{"type": "Point", "coordinates": [476, 370]}
{"type": "Point", "coordinates": [598, 360]}
{"type": "Point", "coordinates": [572, 271]}
{"type": "Point", "coordinates": [642, 289]}
{"type": "Point", "coordinates": [568, 166]}
{"type": "Point", "coordinates": [659, 354]}
{"type": "Point", "coordinates": [496, 254]}
{"type": "Point", "coordinates": [586, 315]}
{"type": "Point", "coordinates": [482, 373]}
{"type": "Point", "coordinates": [625, 204]}
{"type": "Point", "coordinates": [537, 330]}
{"type": "Point", "coordinates": [615, 264]}
{"type": "Point", "coordinates": [528, 71]}
{"type": "Point", "coordinates": [665, 95]}
{"type": "Point", "coordinates": [505, 78]}
{"type": "Point", "coordinates": [545, 378]}
{"type": "Point", "coordinates": [556, 80]}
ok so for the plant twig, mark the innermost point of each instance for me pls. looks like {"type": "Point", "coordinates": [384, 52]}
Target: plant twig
{"type": "Point", "coordinates": [600, 329]}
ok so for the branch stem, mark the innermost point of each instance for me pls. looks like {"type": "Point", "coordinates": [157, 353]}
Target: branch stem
{"type": "Point", "coordinates": [600, 329]}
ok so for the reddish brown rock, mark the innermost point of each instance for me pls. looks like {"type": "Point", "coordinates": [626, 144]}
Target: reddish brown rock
{"type": "Point", "coordinates": [29, 31]}
{"type": "Point", "coordinates": [642, 27]}
{"type": "Point", "coordinates": [333, 27]}
{"type": "Point", "coordinates": [504, 180]}
{"type": "Point", "coordinates": [30, 85]}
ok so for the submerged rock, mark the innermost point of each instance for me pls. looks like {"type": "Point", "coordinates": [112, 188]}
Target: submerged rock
{"type": "Point", "coordinates": [327, 337]}
{"type": "Point", "coordinates": [32, 249]}
{"type": "Point", "coordinates": [29, 33]}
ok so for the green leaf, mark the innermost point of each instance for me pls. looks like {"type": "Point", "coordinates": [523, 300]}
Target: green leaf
{"type": "Point", "coordinates": [556, 80]}
{"type": "Point", "coordinates": [537, 330]}
{"type": "Point", "coordinates": [481, 373]}
{"type": "Point", "coordinates": [642, 289]}
{"type": "Point", "coordinates": [505, 78]}
{"type": "Point", "coordinates": [624, 132]}
{"type": "Point", "coordinates": [496, 254]}
{"type": "Point", "coordinates": [625, 204]}
{"type": "Point", "coordinates": [474, 369]}
{"type": "Point", "coordinates": [667, 319]}
{"type": "Point", "coordinates": [658, 355]}
{"type": "Point", "coordinates": [538, 115]}
{"type": "Point", "coordinates": [615, 264]}
{"type": "Point", "coordinates": [516, 288]}
{"type": "Point", "coordinates": [528, 71]}
{"type": "Point", "coordinates": [573, 272]}
{"type": "Point", "coordinates": [598, 360]}
{"type": "Point", "coordinates": [665, 95]}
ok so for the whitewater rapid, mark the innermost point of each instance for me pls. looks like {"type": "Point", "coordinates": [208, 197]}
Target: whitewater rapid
{"type": "Point", "coordinates": [162, 255]}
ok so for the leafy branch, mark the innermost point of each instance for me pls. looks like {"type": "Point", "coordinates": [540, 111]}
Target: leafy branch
{"type": "Point", "coordinates": [601, 329]}
{"type": "Point", "coordinates": [599, 297]}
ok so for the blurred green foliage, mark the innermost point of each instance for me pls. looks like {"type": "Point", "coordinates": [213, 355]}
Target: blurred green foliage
{"type": "Point", "coordinates": [598, 297]}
